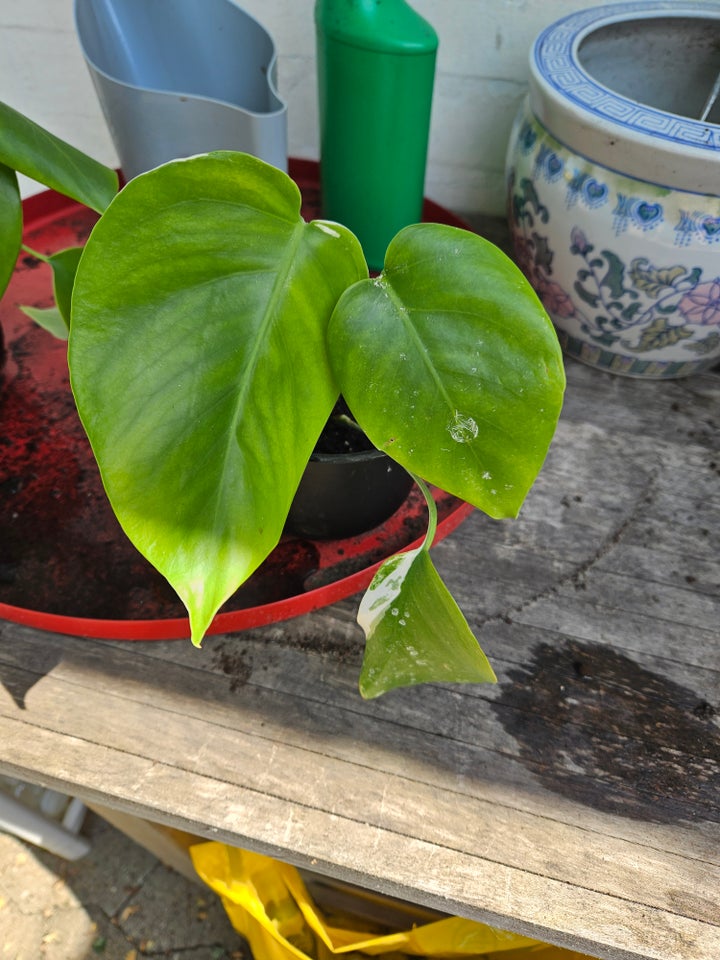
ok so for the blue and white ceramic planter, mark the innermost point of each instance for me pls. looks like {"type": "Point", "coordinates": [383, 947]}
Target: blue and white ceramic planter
{"type": "Point", "coordinates": [614, 202]}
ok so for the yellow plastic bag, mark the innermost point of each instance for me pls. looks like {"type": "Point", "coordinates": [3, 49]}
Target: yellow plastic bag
{"type": "Point", "coordinates": [269, 904]}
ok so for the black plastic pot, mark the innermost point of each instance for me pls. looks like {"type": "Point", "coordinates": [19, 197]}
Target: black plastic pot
{"type": "Point", "coordinates": [344, 494]}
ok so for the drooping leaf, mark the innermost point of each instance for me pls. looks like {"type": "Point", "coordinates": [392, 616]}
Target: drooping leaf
{"type": "Point", "coordinates": [64, 265]}
{"type": "Point", "coordinates": [198, 361]}
{"type": "Point", "coordinates": [50, 319]}
{"type": "Point", "coordinates": [10, 225]}
{"type": "Point", "coordinates": [415, 632]}
{"type": "Point", "coordinates": [30, 149]}
{"type": "Point", "coordinates": [56, 320]}
{"type": "Point", "coordinates": [450, 364]}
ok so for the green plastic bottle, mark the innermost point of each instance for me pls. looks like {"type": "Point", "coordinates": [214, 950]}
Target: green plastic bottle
{"type": "Point", "coordinates": [376, 69]}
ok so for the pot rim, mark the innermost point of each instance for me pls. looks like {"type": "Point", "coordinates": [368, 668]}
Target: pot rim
{"type": "Point", "coordinates": [359, 456]}
{"type": "Point", "coordinates": [612, 129]}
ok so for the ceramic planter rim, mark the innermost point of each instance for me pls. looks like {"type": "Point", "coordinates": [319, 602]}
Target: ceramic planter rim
{"type": "Point", "coordinates": [588, 117]}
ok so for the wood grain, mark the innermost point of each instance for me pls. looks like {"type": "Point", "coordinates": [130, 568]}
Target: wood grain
{"type": "Point", "coordinates": [578, 800]}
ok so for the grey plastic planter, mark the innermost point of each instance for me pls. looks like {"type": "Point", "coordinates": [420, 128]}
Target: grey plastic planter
{"type": "Point", "coordinates": [177, 78]}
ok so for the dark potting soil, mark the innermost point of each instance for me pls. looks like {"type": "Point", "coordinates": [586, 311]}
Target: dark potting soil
{"type": "Point", "coordinates": [341, 434]}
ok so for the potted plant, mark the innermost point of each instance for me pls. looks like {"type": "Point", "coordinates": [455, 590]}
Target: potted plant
{"type": "Point", "coordinates": [348, 486]}
{"type": "Point", "coordinates": [211, 331]}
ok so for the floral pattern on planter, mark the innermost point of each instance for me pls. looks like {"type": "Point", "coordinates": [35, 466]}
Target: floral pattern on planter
{"type": "Point", "coordinates": [628, 271]}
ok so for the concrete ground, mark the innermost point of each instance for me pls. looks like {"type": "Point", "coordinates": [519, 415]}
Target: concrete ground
{"type": "Point", "coordinates": [116, 903]}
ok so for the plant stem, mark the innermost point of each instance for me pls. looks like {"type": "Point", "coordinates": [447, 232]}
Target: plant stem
{"type": "Point", "coordinates": [349, 422]}
{"type": "Point", "coordinates": [432, 512]}
{"type": "Point", "coordinates": [34, 253]}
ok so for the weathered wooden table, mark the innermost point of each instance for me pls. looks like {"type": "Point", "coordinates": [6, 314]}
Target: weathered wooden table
{"type": "Point", "coordinates": [577, 801]}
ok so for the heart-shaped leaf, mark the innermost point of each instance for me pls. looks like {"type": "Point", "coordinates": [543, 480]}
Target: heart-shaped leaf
{"type": "Point", "coordinates": [10, 224]}
{"type": "Point", "coordinates": [198, 361]}
{"type": "Point", "coordinates": [415, 632]}
{"type": "Point", "coordinates": [32, 150]}
{"type": "Point", "coordinates": [451, 365]}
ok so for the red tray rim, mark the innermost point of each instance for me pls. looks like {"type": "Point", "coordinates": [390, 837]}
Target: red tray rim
{"type": "Point", "coordinates": [178, 628]}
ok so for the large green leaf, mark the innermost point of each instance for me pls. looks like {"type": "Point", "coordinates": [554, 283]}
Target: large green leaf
{"type": "Point", "coordinates": [451, 365]}
{"type": "Point", "coordinates": [30, 149]}
{"type": "Point", "coordinates": [10, 224]}
{"type": "Point", "coordinates": [198, 361]}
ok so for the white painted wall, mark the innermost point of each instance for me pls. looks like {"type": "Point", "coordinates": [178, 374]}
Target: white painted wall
{"type": "Point", "coordinates": [480, 81]}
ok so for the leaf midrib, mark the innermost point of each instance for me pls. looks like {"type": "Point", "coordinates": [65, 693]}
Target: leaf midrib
{"type": "Point", "coordinates": [269, 315]}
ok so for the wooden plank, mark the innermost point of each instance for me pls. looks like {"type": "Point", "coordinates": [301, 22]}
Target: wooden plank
{"type": "Point", "coordinates": [268, 761]}
{"type": "Point", "coordinates": [333, 897]}
{"type": "Point", "coordinates": [663, 568]}
{"type": "Point", "coordinates": [439, 877]}
{"type": "Point", "coordinates": [281, 659]}
{"type": "Point", "coordinates": [277, 665]}
{"type": "Point", "coordinates": [267, 755]}
{"type": "Point", "coordinates": [170, 846]}
{"type": "Point", "coordinates": [576, 801]}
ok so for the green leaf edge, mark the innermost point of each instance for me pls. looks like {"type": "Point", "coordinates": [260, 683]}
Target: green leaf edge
{"type": "Point", "coordinates": [32, 150]}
